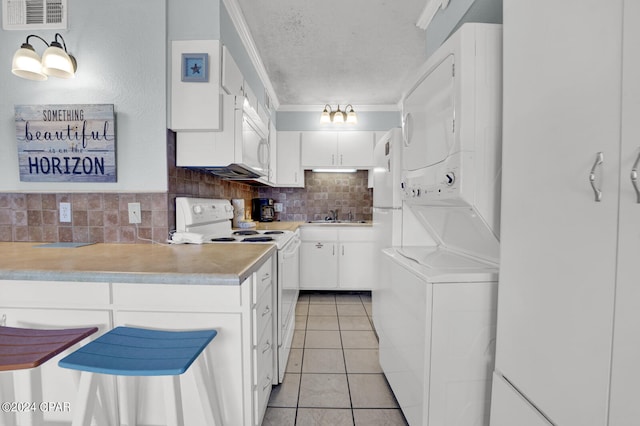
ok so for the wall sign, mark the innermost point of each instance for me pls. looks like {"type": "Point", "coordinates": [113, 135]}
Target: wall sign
{"type": "Point", "coordinates": [66, 143]}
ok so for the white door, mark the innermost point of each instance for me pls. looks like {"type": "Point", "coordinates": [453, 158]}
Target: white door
{"type": "Point", "coordinates": [558, 248]}
{"type": "Point", "coordinates": [626, 351]}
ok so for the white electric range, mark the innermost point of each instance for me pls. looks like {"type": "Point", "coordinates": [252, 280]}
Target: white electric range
{"type": "Point", "coordinates": [208, 221]}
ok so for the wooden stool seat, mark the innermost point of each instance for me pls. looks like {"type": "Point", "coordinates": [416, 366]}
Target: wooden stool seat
{"type": "Point", "coordinates": [22, 348]}
{"type": "Point", "coordinates": [27, 348]}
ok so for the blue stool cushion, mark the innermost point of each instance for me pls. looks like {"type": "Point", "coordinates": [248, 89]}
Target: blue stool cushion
{"type": "Point", "coordinates": [128, 351]}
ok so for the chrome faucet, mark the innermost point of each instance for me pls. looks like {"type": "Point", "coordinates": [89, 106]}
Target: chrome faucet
{"type": "Point", "coordinates": [333, 214]}
{"type": "Point", "coordinates": [349, 216]}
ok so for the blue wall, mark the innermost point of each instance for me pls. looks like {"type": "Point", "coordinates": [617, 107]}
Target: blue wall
{"type": "Point", "coordinates": [446, 21]}
{"type": "Point", "coordinates": [310, 120]}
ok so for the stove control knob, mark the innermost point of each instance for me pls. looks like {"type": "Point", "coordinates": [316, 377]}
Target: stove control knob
{"type": "Point", "coordinates": [451, 178]}
{"type": "Point", "coordinates": [197, 209]}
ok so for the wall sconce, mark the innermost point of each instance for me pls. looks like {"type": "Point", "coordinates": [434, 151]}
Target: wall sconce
{"type": "Point", "coordinates": [337, 116]}
{"type": "Point", "coordinates": [56, 61]}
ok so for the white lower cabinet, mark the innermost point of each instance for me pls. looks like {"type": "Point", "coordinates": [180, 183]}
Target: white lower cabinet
{"type": "Point", "coordinates": [242, 353]}
{"type": "Point", "coordinates": [318, 265]}
{"type": "Point", "coordinates": [337, 257]}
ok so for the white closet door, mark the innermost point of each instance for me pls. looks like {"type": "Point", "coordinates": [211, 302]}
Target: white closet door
{"type": "Point", "coordinates": [626, 345]}
{"type": "Point", "coordinates": [562, 66]}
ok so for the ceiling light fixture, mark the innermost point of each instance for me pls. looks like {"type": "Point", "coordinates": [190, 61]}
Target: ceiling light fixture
{"type": "Point", "coordinates": [338, 116]}
{"type": "Point", "coordinates": [56, 61]}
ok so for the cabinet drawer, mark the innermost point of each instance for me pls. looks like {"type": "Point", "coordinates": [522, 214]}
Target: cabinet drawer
{"type": "Point", "coordinates": [264, 370]}
{"type": "Point", "coordinates": [321, 233]}
{"type": "Point", "coordinates": [177, 296]}
{"type": "Point", "coordinates": [356, 233]}
{"type": "Point", "coordinates": [262, 314]}
{"type": "Point", "coordinates": [264, 278]}
{"type": "Point", "coordinates": [53, 293]}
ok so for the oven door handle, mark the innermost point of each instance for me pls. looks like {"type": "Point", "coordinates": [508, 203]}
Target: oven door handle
{"type": "Point", "coordinates": [292, 249]}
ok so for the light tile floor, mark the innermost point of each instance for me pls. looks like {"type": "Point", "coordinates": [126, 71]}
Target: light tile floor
{"type": "Point", "coordinates": [333, 376]}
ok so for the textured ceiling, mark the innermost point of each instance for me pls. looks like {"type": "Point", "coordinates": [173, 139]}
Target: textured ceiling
{"type": "Point", "coordinates": [362, 52]}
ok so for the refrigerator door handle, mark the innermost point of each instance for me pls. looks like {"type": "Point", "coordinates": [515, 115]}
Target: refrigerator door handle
{"type": "Point", "coordinates": [634, 178]}
{"type": "Point", "coordinates": [592, 176]}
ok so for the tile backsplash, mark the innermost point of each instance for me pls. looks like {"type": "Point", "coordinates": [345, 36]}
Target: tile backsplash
{"type": "Point", "coordinates": [103, 217]}
{"type": "Point", "coordinates": [343, 192]}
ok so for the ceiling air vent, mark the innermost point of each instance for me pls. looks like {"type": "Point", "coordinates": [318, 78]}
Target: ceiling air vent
{"type": "Point", "coordinates": [34, 14]}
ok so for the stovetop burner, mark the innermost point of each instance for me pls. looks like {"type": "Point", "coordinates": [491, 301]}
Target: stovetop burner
{"type": "Point", "coordinates": [256, 239]}
{"type": "Point", "coordinates": [273, 232]}
{"type": "Point", "coordinates": [223, 239]}
{"type": "Point", "coordinates": [246, 232]}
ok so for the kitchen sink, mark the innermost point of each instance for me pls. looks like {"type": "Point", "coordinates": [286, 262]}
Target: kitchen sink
{"type": "Point", "coordinates": [330, 222]}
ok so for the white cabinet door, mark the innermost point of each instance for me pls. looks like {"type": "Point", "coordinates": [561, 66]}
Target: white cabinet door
{"type": "Point", "coordinates": [224, 351]}
{"type": "Point", "coordinates": [338, 149]}
{"type": "Point", "coordinates": [289, 171]}
{"type": "Point", "coordinates": [355, 149]}
{"type": "Point", "coordinates": [558, 245]}
{"type": "Point", "coordinates": [319, 149]}
{"type": "Point", "coordinates": [356, 265]}
{"type": "Point", "coordinates": [626, 351]}
{"type": "Point", "coordinates": [318, 265]}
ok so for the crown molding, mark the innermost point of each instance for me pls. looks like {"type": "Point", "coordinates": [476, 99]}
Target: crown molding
{"type": "Point", "coordinates": [247, 40]}
{"type": "Point", "coordinates": [430, 11]}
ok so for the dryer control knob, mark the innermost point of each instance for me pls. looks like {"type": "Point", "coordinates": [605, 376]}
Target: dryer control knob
{"type": "Point", "coordinates": [451, 178]}
{"type": "Point", "coordinates": [197, 209]}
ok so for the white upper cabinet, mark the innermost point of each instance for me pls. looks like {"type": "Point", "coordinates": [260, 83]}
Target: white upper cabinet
{"type": "Point", "coordinates": [289, 171]}
{"type": "Point", "coordinates": [232, 79]}
{"type": "Point", "coordinates": [195, 104]}
{"type": "Point", "coordinates": [338, 149]}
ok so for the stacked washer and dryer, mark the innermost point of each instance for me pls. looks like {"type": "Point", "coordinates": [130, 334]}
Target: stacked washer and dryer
{"type": "Point", "coordinates": [434, 308]}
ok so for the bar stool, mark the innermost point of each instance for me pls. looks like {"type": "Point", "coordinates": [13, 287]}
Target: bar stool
{"type": "Point", "coordinates": [128, 351]}
{"type": "Point", "coordinates": [28, 348]}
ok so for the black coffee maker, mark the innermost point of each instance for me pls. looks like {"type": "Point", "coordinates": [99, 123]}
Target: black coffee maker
{"type": "Point", "coordinates": [262, 210]}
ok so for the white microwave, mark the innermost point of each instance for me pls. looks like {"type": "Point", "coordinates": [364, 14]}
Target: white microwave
{"type": "Point", "coordinates": [240, 151]}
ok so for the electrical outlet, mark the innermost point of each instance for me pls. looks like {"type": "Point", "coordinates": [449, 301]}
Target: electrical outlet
{"type": "Point", "coordinates": [134, 213]}
{"type": "Point", "coordinates": [277, 207]}
{"type": "Point", "coordinates": [65, 212]}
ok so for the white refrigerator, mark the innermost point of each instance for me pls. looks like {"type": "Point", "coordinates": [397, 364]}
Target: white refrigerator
{"type": "Point", "coordinates": [387, 204]}
{"type": "Point", "coordinates": [387, 198]}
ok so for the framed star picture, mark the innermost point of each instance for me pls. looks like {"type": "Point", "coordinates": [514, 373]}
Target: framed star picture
{"type": "Point", "coordinates": [195, 67]}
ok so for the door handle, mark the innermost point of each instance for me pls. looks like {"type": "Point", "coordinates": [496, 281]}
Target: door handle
{"type": "Point", "coordinates": [634, 178]}
{"type": "Point", "coordinates": [592, 176]}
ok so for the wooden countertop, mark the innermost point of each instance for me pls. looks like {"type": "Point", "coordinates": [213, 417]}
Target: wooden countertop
{"type": "Point", "coordinates": [208, 264]}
